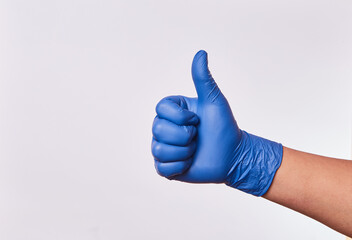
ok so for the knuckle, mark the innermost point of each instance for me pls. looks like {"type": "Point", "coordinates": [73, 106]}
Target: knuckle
{"type": "Point", "coordinates": [157, 128]}
{"type": "Point", "coordinates": [163, 104]}
{"type": "Point", "coordinates": [160, 105]}
{"type": "Point", "coordinates": [156, 149]}
{"type": "Point", "coordinates": [162, 170]}
{"type": "Point", "coordinates": [171, 170]}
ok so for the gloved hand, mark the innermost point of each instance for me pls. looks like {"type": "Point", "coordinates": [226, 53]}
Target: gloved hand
{"type": "Point", "coordinates": [197, 140]}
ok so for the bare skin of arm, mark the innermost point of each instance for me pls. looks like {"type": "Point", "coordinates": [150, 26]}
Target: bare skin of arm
{"type": "Point", "coordinates": [316, 186]}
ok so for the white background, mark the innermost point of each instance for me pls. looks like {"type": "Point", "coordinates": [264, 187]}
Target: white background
{"type": "Point", "coordinates": [79, 81]}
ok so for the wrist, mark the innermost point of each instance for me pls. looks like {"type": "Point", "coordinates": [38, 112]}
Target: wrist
{"type": "Point", "coordinates": [255, 163]}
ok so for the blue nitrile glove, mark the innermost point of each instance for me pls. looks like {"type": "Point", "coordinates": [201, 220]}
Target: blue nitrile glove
{"type": "Point", "coordinates": [197, 140]}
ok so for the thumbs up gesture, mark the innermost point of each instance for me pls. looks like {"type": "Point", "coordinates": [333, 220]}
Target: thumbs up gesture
{"type": "Point", "coordinates": [197, 140]}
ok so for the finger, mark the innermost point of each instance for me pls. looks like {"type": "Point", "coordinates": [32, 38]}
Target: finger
{"type": "Point", "coordinates": [206, 87]}
{"type": "Point", "coordinates": [174, 109]}
{"type": "Point", "coordinates": [169, 133]}
{"type": "Point", "coordinates": [170, 153]}
{"type": "Point", "coordinates": [172, 169]}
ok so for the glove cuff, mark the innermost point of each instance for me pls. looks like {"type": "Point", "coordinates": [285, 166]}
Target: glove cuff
{"type": "Point", "coordinates": [255, 163]}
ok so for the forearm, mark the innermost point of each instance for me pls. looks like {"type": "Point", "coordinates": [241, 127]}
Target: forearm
{"type": "Point", "coordinates": [316, 186]}
{"type": "Point", "coordinates": [197, 140]}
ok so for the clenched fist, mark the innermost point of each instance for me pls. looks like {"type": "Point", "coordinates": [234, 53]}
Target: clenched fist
{"type": "Point", "coordinates": [197, 140]}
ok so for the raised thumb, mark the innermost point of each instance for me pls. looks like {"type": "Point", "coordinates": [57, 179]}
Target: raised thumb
{"type": "Point", "coordinates": [206, 87]}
